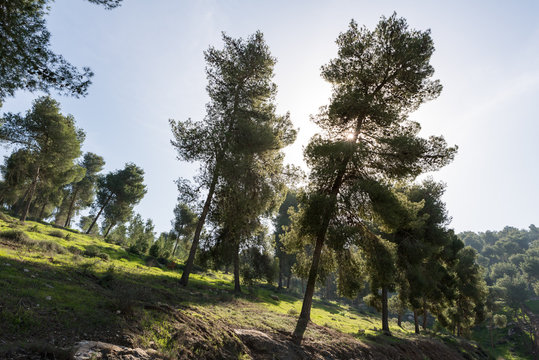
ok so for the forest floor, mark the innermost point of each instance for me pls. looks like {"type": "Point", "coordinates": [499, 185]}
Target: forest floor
{"type": "Point", "coordinates": [59, 287]}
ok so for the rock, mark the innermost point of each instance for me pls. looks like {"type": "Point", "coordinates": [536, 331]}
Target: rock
{"type": "Point", "coordinates": [26, 270]}
{"type": "Point", "coordinates": [86, 350]}
{"type": "Point", "coordinates": [48, 298]}
{"type": "Point", "coordinates": [274, 297]}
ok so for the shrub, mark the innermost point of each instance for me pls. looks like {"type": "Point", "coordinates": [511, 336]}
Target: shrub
{"type": "Point", "coordinates": [15, 235]}
{"type": "Point", "coordinates": [51, 246]}
{"type": "Point", "coordinates": [34, 228]}
{"type": "Point", "coordinates": [74, 250]}
{"type": "Point", "coordinates": [57, 233]}
{"type": "Point", "coordinates": [292, 312]}
{"type": "Point", "coordinates": [95, 252]}
{"type": "Point", "coordinates": [4, 217]}
{"type": "Point", "coordinates": [155, 250]}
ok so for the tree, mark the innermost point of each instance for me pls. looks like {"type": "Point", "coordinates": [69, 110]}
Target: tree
{"type": "Point", "coordinates": [378, 78]}
{"type": "Point", "coordinates": [119, 191]}
{"type": "Point", "coordinates": [26, 60]}
{"type": "Point", "coordinates": [282, 221]}
{"type": "Point", "coordinates": [51, 138]}
{"type": "Point", "coordinates": [140, 234]}
{"type": "Point", "coordinates": [471, 292]}
{"type": "Point", "coordinates": [184, 224]}
{"type": "Point", "coordinates": [82, 193]}
{"type": "Point", "coordinates": [241, 93]}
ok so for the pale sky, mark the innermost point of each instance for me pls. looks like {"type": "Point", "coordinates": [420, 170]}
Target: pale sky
{"type": "Point", "coordinates": [148, 62]}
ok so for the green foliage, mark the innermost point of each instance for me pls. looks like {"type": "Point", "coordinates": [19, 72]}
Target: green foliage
{"type": "Point", "coordinates": [118, 192]}
{"type": "Point", "coordinates": [26, 59]}
{"type": "Point", "coordinates": [257, 266]}
{"type": "Point", "coordinates": [500, 321]}
{"type": "Point", "coordinates": [49, 142]}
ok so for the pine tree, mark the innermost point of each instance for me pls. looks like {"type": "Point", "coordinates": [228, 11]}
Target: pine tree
{"type": "Point", "coordinates": [241, 93]}
{"type": "Point", "coordinates": [378, 78]}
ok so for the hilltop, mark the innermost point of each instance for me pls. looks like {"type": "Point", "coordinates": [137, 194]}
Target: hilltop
{"type": "Point", "coordinates": [61, 288]}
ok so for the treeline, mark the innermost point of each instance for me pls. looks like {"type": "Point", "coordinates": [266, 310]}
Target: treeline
{"type": "Point", "coordinates": [47, 176]}
{"type": "Point", "coordinates": [510, 260]}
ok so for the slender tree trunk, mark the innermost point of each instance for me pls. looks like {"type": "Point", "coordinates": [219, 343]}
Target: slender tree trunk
{"type": "Point", "coordinates": [237, 287]}
{"type": "Point", "coordinates": [110, 228]}
{"type": "Point", "coordinates": [42, 211]}
{"type": "Point", "coordinates": [98, 214]}
{"type": "Point", "coordinates": [71, 206]}
{"type": "Point", "coordinates": [192, 252]}
{"type": "Point", "coordinates": [385, 312]}
{"type": "Point", "coordinates": [458, 328]}
{"type": "Point", "coordinates": [288, 281]}
{"type": "Point", "coordinates": [280, 286]}
{"type": "Point", "coordinates": [491, 331]}
{"type": "Point", "coordinates": [305, 315]}
{"type": "Point", "coordinates": [30, 195]}
{"type": "Point", "coordinates": [425, 313]}
{"type": "Point", "coordinates": [175, 247]}
{"type": "Point", "coordinates": [416, 322]}
{"type": "Point", "coordinates": [399, 319]}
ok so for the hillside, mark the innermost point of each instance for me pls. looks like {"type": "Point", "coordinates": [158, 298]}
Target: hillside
{"type": "Point", "coordinates": [59, 288]}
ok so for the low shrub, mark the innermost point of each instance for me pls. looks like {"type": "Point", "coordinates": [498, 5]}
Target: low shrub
{"type": "Point", "coordinates": [4, 217]}
{"type": "Point", "coordinates": [15, 236]}
{"type": "Point", "coordinates": [292, 312]}
{"type": "Point", "coordinates": [74, 250]}
{"type": "Point", "coordinates": [51, 246]}
{"type": "Point", "coordinates": [95, 252]}
{"type": "Point", "coordinates": [57, 233]}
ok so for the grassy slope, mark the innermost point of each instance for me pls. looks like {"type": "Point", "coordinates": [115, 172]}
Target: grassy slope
{"type": "Point", "coordinates": [59, 286]}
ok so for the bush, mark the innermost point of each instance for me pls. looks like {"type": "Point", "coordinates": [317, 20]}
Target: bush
{"type": "Point", "coordinates": [94, 252]}
{"type": "Point", "coordinates": [51, 246]}
{"type": "Point", "coordinates": [292, 312]}
{"type": "Point", "coordinates": [34, 228]}
{"type": "Point", "coordinates": [74, 250]}
{"type": "Point", "coordinates": [57, 233]}
{"type": "Point", "coordinates": [16, 236]}
{"type": "Point", "coordinates": [155, 250]}
{"type": "Point", "coordinates": [4, 217]}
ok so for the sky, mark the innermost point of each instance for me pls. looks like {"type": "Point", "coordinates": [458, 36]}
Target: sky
{"type": "Point", "coordinates": [147, 57]}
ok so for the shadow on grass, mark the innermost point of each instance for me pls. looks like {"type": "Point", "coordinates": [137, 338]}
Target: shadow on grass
{"type": "Point", "coordinates": [93, 299]}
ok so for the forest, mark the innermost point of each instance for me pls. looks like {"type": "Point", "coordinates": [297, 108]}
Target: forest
{"type": "Point", "coordinates": [361, 231]}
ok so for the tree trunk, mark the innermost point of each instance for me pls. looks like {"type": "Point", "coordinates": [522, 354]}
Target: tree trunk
{"type": "Point", "coordinates": [192, 252]}
{"type": "Point", "coordinates": [491, 331]}
{"type": "Point", "coordinates": [280, 286]}
{"type": "Point", "coordinates": [175, 247]}
{"type": "Point", "coordinates": [385, 313]}
{"type": "Point", "coordinates": [288, 281]}
{"type": "Point", "coordinates": [416, 322]}
{"type": "Point", "coordinates": [30, 195]}
{"type": "Point", "coordinates": [42, 211]}
{"type": "Point", "coordinates": [425, 314]}
{"type": "Point", "coordinates": [237, 287]}
{"type": "Point", "coordinates": [305, 315]}
{"type": "Point", "coordinates": [110, 228]}
{"type": "Point", "coordinates": [71, 205]}
{"type": "Point", "coordinates": [399, 319]}
{"type": "Point", "coordinates": [98, 214]}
